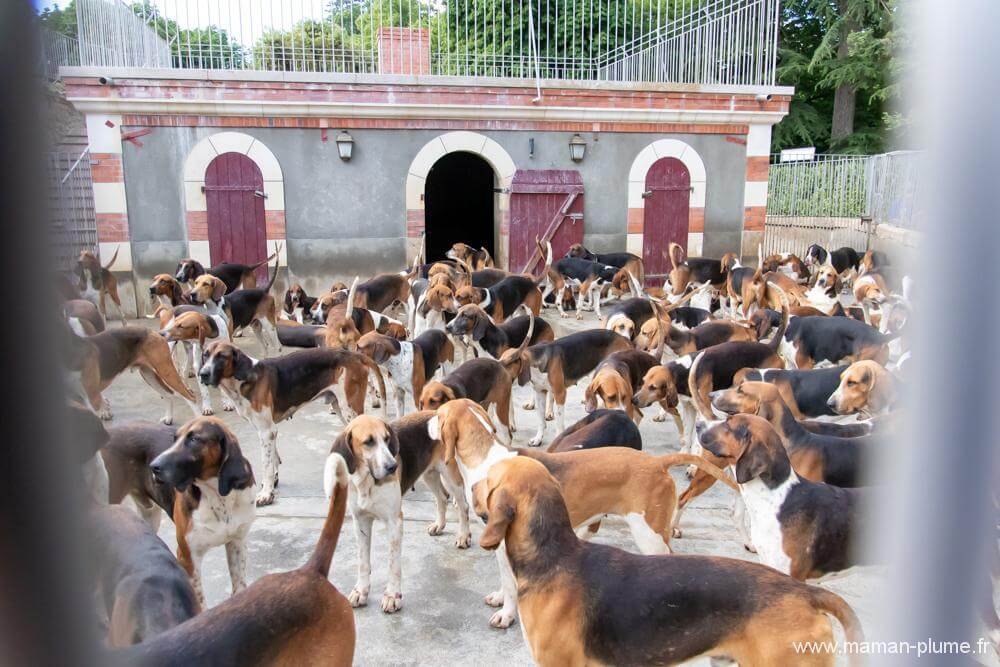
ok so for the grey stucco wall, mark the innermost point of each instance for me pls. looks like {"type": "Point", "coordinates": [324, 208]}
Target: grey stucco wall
{"type": "Point", "coordinates": [348, 218]}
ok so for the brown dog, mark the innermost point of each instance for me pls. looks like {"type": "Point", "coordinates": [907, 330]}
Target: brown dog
{"type": "Point", "coordinates": [865, 387]}
{"type": "Point", "coordinates": [585, 604]}
{"type": "Point", "coordinates": [95, 282]}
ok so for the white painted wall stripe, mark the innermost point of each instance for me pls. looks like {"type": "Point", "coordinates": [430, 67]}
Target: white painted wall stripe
{"type": "Point", "coordinates": [759, 140]}
{"type": "Point", "coordinates": [755, 193]}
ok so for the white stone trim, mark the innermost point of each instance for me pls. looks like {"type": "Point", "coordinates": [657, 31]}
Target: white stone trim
{"type": "Point", "coordinates": [110, 198]}
{"type": "Point", "coordinates": [200, 252]}
{"type": "Point", "coordinates": [695, 244]}
{"type": "Point", "coordinates": [450, 142]}
{"type": "Point", "coordinates": [337, 77]}
{"type": "Point", "coordinates": [107, 250]}
{"type": "Point", "coordinates": [100, 137]}
{"type": "Point", "coordinates": [272, 245]}
{"type": "Point", "coordinates": [633, 244]}
{"type": "Point", "coordinates": [404, 111]}
{"type": "Point", "coordinates": [667, 148]}
{"type": "Point", "coordinates": [759, 140]}
{"type": "Point", "coordinates": [755, 193]}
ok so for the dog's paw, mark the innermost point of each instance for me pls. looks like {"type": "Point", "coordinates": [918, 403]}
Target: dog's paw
{"type": "Point", "coordinates": [502, 619]}
{"type": "Point", "coordinates": [676, 532]}
{"type": "Point", "coordinates": [264, 498]}
{"type": "Point", "coordinates": [358, 597]}
{"type": "Point", "coordinates": [549, 416]}
{"type": "Point", "coordinates": [530, 405]}
{"type": "Point", "coordinates": [392, 602]}
{"type": "Point", "coordinates": [167, 419]}
{"type": "Point", "coordinates": [691, 471]}
{"type": "Point", "coordinates": [228, 406]}
{"type": "Point", "coordinates": [435, 529]}
{"type": "Point", "coordinates": [105, 414]}
{"type": "Point", "coordinates": [376, 403]}
{"type": "Point", "coordinates": [494, 599]}
{"type": "Point", "coordinates": [534, 442]}
{"type": "Point", "coordinates": [579, 315]}
{"type": "Point", "coordinates": [207, 411]}
{"type": "Point", "coordinates": [463, 541]}
{"type": "Point", "coordinates": [749, 547]}
{"type": "Point", "coordinates": [659, 418]}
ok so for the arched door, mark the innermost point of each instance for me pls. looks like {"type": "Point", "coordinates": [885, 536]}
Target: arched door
{"type": "Point", "coordinates": [458, 204]}
{"type": "Point", "coordinates": [234, 192]}
{"type": "Point", "coordinates": [665, 220]}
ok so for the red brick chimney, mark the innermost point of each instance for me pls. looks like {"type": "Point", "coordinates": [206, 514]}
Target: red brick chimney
{"type": "Point", "coordinates": [404, 51]}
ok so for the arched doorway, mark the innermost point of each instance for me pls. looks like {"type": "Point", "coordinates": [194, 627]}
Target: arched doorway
{"type": "Point", "coordinates": [666, 210]}
{"type": "Point", "coordinates": [234, 197]}
{"type": "Point", "coordinates": [459, 204]}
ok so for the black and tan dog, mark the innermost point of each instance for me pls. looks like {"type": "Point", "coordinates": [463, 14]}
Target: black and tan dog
{"type": "Point", "coordinates": [166, 291]}
{"type": "Point", "coordinates": [385, 461]}
{"type": "Point", "coordinates": [270, 391]}
{"type": "Point", "coordinates": [691, 270]}
{"type": "Point", "coordinates": [199, 477]}
{"type": "Point", "coordinates": [865, 387]}
{"type": "Point", "coordinates": [99, 359]}
{"type": "Point", "coordinates": [505, 298]}
{"type": "Point", "coordinates": [495, 339]}
{"type": "Point", "coordinates": [629, 265]}
{"type": "Point", "coordinates": [143, 588]}
{"type": "Point", "coordinates": [95, 282]}
{"type": "Point", "coordinates": [482, 380]}
{"type": "Point", "coordinates": [616, 380]}
{"type": "Point", "coordinates": [83, 317]}
{"type": "Point", "coordinates": [234, 275]}
{"type": "Point", "coordinates": [254, 308]}
{"type": "Point", "coordinates": [584, 603]}
{"type": "Point", "coordinates": [802, 528]}
{"type": "Point", "coordinates": [410, 364]}
{"type": "Point", "coordinates": [587, 275]}
{"type": "Point", "coordinates": [298, 304]}
{"type": "Point", "coordinates": [477, 259]}
{"type": "Point", "coordinates": [812, 340]}
{"type": "Point", "coordinates": [554, 367]}
{"type": "Point", "coordinates": [600, 428]}
{"type": "Point", "coordinates": [290, 618]}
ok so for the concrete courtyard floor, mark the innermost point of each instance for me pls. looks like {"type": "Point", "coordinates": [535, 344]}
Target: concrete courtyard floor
{"type": "Point", "coordinates": [444, 620]}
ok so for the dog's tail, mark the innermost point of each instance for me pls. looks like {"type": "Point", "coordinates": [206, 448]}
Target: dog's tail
{"type": "Point", "coordinates": [676, 255]}
{"type": "Point", "coordinates": [335, 478]}
{"type": "Point", "coordinates": [831, 603]}
{"type": "Point", "coordinates": [107, 267]}
{"type": "Point", "coordinates": [350, 298]}
{"type": "Point", "coordinates": [701, 464]}
{"type": "Point", "coordinates": [277, 251]}
{"type": "Point", "coordinates": [489, 258]}
{"type": "Point", "coordinates": [659, 315]}
{"type": "Point", "coordinates": [703, 408]}
{"type": "Point", "coordinates": [636, 283]}
{"type": "Point", "coordinates": [277, 263]}
{"type": "Point", "coordinates": [780, 333]}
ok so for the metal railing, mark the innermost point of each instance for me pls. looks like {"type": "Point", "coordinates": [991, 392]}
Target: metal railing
{"type": "Point", "coordinates": [57, 50]}
{"type": "Point", "coordinates": [685, 41]}
{"type": "Point", "coordinates": [73, 226]}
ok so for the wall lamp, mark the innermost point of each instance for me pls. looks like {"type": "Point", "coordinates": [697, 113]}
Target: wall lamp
{"type": "Point", "coordinates": [577, 148]}
{"type": "Point", "coordinates": [345, 145]}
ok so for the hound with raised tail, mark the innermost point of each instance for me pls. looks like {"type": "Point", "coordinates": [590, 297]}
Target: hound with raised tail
{"type": "Point", "coordinates": [801, 528]}
{"type": "Point", "coordinates": [595, 482]}
{"type": "Point", "coordinates": [212, 489]}
{"type": "Point", "coordinates": [589, 276]}
{"type": "Point", "coordinates": [698, 271]}
{"type": "Point", "coordinates": [234, 275]}
{"type": "Point", "coordinates": [631, 265]}
{"type": "Point", "coordinates": [192, 329]}
{"type": "Point", "coordinates": [254, 308]}
{"type": "Point", "coordinates": [584, 604]}
{"type": "Point", "coordinates": [95, 282]}
{"type": "Point", "coordinates": [270, 391]}
{"type": "Point", "coordinates": [384, 462]}
{"type": "Point", "coordinates": [477, 259]}
{"type": "Point", "coordinates": [290, 618]}
{"type": "Point", "coordinates": [494, 339]}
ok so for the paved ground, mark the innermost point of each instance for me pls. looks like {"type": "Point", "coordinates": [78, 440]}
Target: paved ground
{"type": "Point", "coordinates": [443, 620]}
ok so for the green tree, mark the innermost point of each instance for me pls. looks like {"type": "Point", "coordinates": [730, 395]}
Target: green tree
{"type": "Point", "coordinates": [60, 20]}
{"type": "Point", "coordinates": [210, 47]}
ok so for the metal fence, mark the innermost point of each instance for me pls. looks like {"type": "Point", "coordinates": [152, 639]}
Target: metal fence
{"type": "Point", "coordinates": [837, 200]}
{"type": "Point", "coordinates": [57, 50]}
{"type": "Point", "coordinates": [71, 206]}
{"type": "Point", "coordinates": [686, 41]}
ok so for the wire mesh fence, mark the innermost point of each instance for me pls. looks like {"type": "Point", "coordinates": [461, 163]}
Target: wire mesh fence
{"type": "Point", "coordinates": [684, 41]}
{"type": "Point", "coordinates": [73, 225]}
{"type": "Point", "coordinates": [838, 200]}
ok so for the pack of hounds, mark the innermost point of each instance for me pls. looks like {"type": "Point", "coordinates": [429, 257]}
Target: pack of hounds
{"type": "Point", "coordinates": [779, 377]}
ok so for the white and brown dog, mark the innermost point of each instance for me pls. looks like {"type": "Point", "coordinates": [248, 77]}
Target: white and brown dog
{"type": "Point", "coordinates": [384, 462]}
{"type": "Point", "coordinates": [410, 363]}
{"type": "Point", "coordinates": [95, 282]}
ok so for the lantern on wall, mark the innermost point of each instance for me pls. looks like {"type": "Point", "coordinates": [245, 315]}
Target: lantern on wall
{"type": "Point", "coordinates": [577, 148]}
{"type": "Point", "coordinates": [345, 145]}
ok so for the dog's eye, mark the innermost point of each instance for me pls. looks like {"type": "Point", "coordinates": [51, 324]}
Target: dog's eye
{"type": "Point", "coordinates": [369, 441]}
{"type": "Point", "coordinates": [851, 383]}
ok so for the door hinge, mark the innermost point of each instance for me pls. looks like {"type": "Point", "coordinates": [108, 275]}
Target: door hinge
{"type": "Point", "coordinates": [647, 194]}
{"type": "Point", "coordinates": [259, 193]}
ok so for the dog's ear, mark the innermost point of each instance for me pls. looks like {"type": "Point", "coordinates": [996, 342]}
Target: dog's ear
{"type": "Point", "coordinates": [204, 330]}
{"type": "Point", "coordinates": [235, 472]}
{"type": "Point", "coordinates": [177, 294]}
{"type": "Point", "coordinates": [218, 289]}
{"type": "Point", "coordinates": [242, 366]}
{"type": "Point", "coordinates": [479, 327]}
{"type": "Point", "coordinates": [448, 392]}
{"type": "Point", "coordinates": [751, 464]}
{"type": "Point", "coordinates": [393, 441]}
{"type": "Point", "coordinates": [380, 351]}
{"type": "Point", "coordinates": [590, 396]}
{"type": "Point", "coordinates": [342, 446]}
{"type": "Point", "coordinates": [500, 516]}
{"type": "Point", "coordinates": [670, 397]}
{"type": "Point", "coordinates": [882, 392]}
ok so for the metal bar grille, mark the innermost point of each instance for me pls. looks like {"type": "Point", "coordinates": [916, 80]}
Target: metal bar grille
{"type": "Point", "coordinates": [685, 41]}
{"type": "Point", "coordinates": [73, 225]}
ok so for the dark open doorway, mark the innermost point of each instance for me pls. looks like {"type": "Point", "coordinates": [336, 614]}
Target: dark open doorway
{"type": "Point", "coordinates": [458, 204]}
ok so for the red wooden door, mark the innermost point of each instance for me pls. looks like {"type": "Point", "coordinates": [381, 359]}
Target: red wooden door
{"type": "Point", "coordinates": [544, 203]}
{"type": "Point", "coordinates": [234, 191]}
{"type": "Point", "coordinates": [667, 199]}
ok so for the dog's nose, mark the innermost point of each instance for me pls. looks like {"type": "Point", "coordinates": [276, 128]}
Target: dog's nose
{"type": "Point", "coordinates": [831, 402]}
{"type": "Point", "coordinates": [163, 333]}
{"type": "Point", "coordinates": [157, 470]}
{"type": "Point", "coordinates": [391, 468]}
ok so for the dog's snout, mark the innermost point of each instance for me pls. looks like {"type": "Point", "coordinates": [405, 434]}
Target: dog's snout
{"type": "Point", "coordinates": [157, 470]}
{"type": "Point", "coordinates": [391, 468]}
